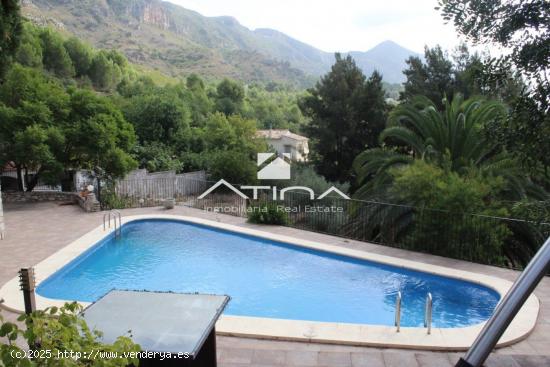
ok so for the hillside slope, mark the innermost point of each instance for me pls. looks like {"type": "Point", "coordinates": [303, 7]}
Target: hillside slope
{"type": "Point", "coordinates": [178, 41]}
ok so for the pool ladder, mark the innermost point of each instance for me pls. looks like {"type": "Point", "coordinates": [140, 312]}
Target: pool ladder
{"type": "Point", "coordinates": [398, 312]}
{"type": "Point", "coordinates": [427, 312]}
{"type": "Point", "coordinates": [107, 221]}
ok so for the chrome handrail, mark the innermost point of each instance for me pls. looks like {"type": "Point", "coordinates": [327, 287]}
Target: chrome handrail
{"type": "Point", "coordinates": [398, 312]}
{"type": "Point", "coordinates": [107, 223]}
{"type": "Point", "coordinates": [428, 313]}
{"type": "Point", "coordinates": [116, 213]}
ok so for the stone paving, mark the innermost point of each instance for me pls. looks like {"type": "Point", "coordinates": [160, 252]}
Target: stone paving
{"type": "Point", "coordinates": [35, 231]}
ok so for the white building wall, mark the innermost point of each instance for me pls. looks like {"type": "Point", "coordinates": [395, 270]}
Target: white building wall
{"type": "Point", "coordinates": [298, 149]}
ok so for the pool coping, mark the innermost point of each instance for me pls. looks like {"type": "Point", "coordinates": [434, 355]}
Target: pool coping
{"type": "Point", "coordinates": [448, 339]}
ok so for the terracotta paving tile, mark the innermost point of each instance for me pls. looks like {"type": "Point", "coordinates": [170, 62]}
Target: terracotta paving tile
{"type": "Point", "coordinates": [334, 359]}
{"type": "Point", "coordinates": [398, 359]}
{"type": "Point", "coordinates": [302, 358]}
{"type": "Point", "coordinates": [433, 360]}
{"type": "Point", "coordinates": [237, 355]}
{"type": "Point", "coordinates": [367, 359]}
{"type": "Point", "coordinates": [496, 360]}
{"type": "Point", "coordinates": [271, 357]}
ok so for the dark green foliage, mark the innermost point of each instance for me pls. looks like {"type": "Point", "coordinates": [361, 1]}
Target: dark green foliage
{"type": "Point", "coordinates": [432, 79]}
{"type": "Point", "coordinates": [99, 135]}
{"type": "Point", "coordinates": [453, 139]}
{"type": "Point", "coordinates": [56, 331]}
{"type": "Point", "coordinates": [10, 32]}
{"type": "Point", "coordinates": [104, 72]}
{"type": "Point", "coordinates": [230, 148]}
{"type": "Point", "coordinates": [80, 54]}
{"type": "Point", "coordinates": [347, 113]}
{"type": "Point", "coordinates": [30, 50]}
{"type": "Point", "coordinates": [232, 165]}
{"type": "Point", "coordinates": [266, 213]}
{"type": "Point", "coordinates": [522, 29]}
{"type": "Point", "coordinates": [274, 106]}
{"type": "Point", "coordinates": [229, 97]}
{"type": "Point", "coordinates": [427, 187]}
{"type": "Point", "coordinates": [444, 161]}
{"type": "Point", "coordinates": [440, 76]}
{"type": "Point", "coordinates": [157, 156]}
{"type": "Point", "coordinates": [161, 117]}
{"type": "Point", "coordinates": [54, 55]}
{"type": "Point", "coordinates": [48, 129]}
{"type": "Point", "coordinates": [175, 124]}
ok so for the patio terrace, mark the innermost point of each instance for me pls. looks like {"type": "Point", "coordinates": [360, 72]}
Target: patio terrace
{"type": "Point", "coordinates": [35, 231]}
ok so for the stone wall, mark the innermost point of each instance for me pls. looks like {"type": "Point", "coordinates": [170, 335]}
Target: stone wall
{"type": "Point", "coordinates": [89, 204]}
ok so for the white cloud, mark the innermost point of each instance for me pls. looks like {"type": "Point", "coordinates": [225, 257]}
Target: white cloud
{"type": "Point", "coordinates": [339, 25]}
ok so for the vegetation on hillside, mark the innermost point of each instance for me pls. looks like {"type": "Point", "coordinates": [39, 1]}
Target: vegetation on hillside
{"type": "Point", "coordinates": [66, 105]}
{"type": "Point", "coordinates": [465, 135]}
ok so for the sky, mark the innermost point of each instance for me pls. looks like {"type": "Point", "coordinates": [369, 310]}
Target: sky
{"type": "Point", "coordinates": [343, 25]}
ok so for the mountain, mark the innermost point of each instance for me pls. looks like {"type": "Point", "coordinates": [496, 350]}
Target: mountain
{"type": "Point", "coordinates": [387, 57]}
{"type": "Point", "coordinates": [178, 41]}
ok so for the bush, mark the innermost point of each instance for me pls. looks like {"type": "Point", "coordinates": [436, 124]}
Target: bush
{"type": "Point", "coordinates": [267, 213]}
{"type": "Point", "coordinates": [58, 332]}
{"type": "Point", "coordinates": [452, 212]}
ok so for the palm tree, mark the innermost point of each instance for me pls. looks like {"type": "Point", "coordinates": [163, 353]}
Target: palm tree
{"type": "Point", "coordinates": [453, 139]}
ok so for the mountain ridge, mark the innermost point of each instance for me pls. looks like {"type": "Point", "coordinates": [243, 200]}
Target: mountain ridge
{"type": "Point", "coordinates": [180, 41]}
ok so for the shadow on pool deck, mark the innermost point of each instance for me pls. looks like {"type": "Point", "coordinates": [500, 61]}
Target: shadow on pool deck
{"type": "Point", "coordinates": [35, 231]}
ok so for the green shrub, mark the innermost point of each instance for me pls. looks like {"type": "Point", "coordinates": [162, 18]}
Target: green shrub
{"type": "Point", "coordinates": [266, 213]}
{"type": "Point", "coordinates": [452, 214]}
{"type": "Point", "coordinates": [57, 332]}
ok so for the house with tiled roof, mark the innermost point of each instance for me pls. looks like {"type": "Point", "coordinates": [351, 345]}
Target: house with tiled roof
{"type": "Point", "coordinates": [284, 141]}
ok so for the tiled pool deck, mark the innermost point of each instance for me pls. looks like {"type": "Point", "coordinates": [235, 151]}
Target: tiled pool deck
{"type": "Point", "coordinates": [35, 231]}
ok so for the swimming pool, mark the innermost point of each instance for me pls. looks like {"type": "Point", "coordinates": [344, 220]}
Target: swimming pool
{"type": "Point", "coordinates": [265, 278]}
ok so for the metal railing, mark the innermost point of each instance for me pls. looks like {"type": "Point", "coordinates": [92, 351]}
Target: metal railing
{"type": "Point", "coordinates": [398, 312]}
{"type": "Point", "coordinates": [428, 313]}
{"type": "Point", "coordinates": [472, 237]}
{"type": "Point", "coordinates": [107, 221]}
{"type": "Point", "coordinates": [508, 308]}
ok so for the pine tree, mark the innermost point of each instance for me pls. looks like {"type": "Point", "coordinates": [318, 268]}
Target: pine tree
{"type": "Point", "coordinates": [347, 114]}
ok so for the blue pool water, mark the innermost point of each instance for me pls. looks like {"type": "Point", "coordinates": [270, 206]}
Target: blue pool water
{"type": "Point", "coordinates": [264, 278]}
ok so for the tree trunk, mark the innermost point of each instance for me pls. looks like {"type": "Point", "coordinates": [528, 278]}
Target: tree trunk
{"type": "Point", "coordinates": [32, 183]}
{"type": "Point", "coordinates": [19, 178]}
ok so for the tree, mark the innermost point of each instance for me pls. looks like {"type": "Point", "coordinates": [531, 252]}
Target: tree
{"type": "Point", "coordinates": [104, 73]}
{"type": "Point", "coordinates": [99, 137]}
{"type": "Point", "coordinates": [200, 104]}
{"type": "Point", "coordinates": [453, 139]}
{"type": "Point", "coordinates": [10, 32]}
{"type": "Point", "coordinates": [48, 131]}
{"type": "Point", "coordinates": [30, 50]}
{"type": "Point", "coordinates": [29, 104]}
{"type": "Point", "coordinates": [80, 54]}
{"type": "Point", "coordinates": [433, 79]}
{"type": "Point", "coordinates": [160, 117]}
{"type": "Point", "coordinates": [347, 113]}
{"type": "Point", "coordinates": [229, 97]}
{"type": "Point", "coordinates": [54, 55]}
{"type": "Point", "coordinates": [522, 29]}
